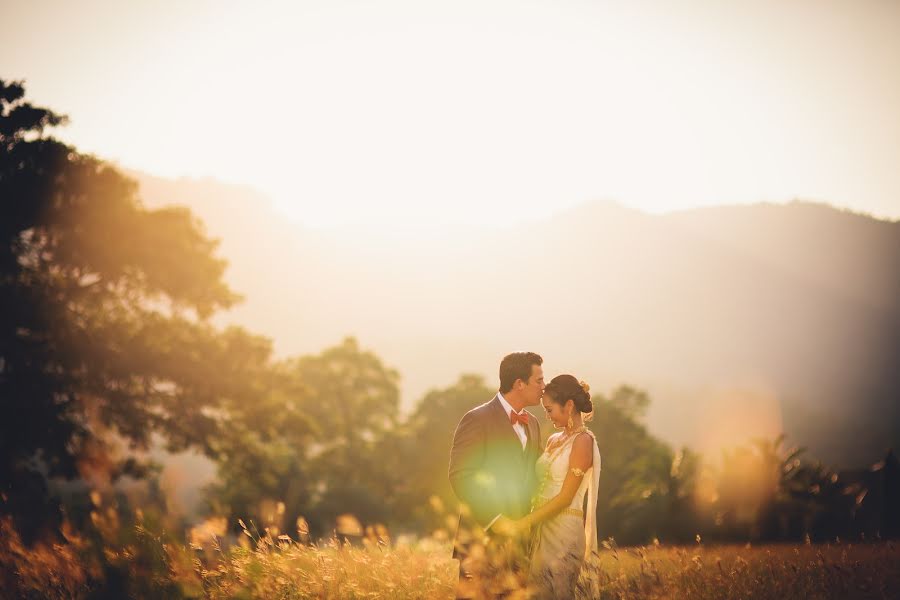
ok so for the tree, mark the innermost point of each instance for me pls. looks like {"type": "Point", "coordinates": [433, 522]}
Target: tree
{"type": "Point", "coordinates": [331, 456]}
{"type": "Point", "coordinates": [636, 469]}
{"type": "Point", "coordinates": [104, 331]}
{"type": "Point", "coordinates": [263, 473]}
{"type": "Point", "coordinates": [769, 491]}
{"type": "Point", "coordinates": [425, 442]}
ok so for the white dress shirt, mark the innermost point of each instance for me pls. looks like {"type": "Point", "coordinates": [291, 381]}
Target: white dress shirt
{"type": "Point", "coordinates": [518, 427]}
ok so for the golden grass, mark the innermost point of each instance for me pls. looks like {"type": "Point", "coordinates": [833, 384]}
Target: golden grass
{"type": "Point", "coordinates": [283, 569]}
{"type": "Point", "coordinates": [275, 566]}
{"type": "Point", "coordinates": [836, 571]}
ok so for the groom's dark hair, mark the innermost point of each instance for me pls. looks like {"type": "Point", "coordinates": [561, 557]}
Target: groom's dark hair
{"type": "Point", "coordinates": [517, 366]}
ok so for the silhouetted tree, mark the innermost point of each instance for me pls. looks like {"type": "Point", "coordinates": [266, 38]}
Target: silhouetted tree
{"type": "Point", "coordinates": [103, 320]}
{"type": "Point", "coordinates": [770, 492]}
{"type": "Point", "coordinates": [636, 468]}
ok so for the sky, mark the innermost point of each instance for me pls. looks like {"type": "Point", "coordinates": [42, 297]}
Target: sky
{"type": "Point", "coordinates": [410, 113]}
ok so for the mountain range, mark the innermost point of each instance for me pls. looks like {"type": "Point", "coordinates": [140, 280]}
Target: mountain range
{"type": "Point", "coordinates": [739, 321]}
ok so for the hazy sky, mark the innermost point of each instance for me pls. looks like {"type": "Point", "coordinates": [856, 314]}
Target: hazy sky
{"type": "Point", "coordinates": [479, 111]}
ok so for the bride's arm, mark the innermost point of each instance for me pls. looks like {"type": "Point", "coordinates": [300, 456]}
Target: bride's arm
{"type": "Point", "coordinates": [580, 460]}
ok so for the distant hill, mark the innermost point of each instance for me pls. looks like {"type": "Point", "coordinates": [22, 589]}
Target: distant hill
{"type": "Point", "coordinates": [738, 320]}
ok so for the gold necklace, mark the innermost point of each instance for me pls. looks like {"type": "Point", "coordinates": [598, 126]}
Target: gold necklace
{"type": "Point", "coordinates": [551, 456]}
{"type": "Point", "coordinates": [562, 442]}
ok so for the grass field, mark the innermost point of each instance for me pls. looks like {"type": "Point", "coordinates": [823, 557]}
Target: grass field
{"type": "Point", "coordinates": [142, 564]}
{"type": "Point", "coordinates": [772, 571]}
{"type": "Point", "coordinates": [424, 570]}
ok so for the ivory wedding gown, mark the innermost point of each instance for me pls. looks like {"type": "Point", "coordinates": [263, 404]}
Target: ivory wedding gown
{"type": "Point", "coordinates": [561, 543]}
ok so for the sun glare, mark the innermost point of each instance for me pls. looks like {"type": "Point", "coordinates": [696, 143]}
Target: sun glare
{"type": "Point", "coordinates": [417, 113]}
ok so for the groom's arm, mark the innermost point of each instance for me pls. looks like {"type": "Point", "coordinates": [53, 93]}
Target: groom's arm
{"type": "Point", "coordinates": [467, 477]}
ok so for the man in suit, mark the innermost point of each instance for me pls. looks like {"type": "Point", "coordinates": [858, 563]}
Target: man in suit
{"type": "Point", "coordinates": [492, 460]}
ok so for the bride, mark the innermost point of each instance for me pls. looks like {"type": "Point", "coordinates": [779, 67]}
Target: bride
{"type": "Point", "coordinates": [565, 528]}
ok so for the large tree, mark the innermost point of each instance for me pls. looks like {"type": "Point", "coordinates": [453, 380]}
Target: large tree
{"type": "Point", "coordinates": [638, 475]}
{"type": "Point", "coordinates": [104, 332]}
{"type": "Point", "coordinates": [425, 442]}
{"type": "Point", "coordinates": [325, 449]}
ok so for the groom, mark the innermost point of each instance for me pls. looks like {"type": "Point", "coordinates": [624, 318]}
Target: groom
{"type": "Point", "coordinates": [492, 460]}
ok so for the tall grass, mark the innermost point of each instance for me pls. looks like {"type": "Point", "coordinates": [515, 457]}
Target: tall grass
{"type": "Point", "coordinates": [141, 561]}
{"type": "Point", "coordinates": [836, 571]}
{"type": "Point", "coordinates": [283, 569]}
{"type": "Point", "coordinates": [279, 567]}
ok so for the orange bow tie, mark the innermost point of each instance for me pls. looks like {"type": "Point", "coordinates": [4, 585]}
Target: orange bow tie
{"type": "Point", "coordinates": [515, 417]}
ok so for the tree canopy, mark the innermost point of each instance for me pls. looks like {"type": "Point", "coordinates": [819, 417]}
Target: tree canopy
{"type": "Point", "coordinates": [104, 319]}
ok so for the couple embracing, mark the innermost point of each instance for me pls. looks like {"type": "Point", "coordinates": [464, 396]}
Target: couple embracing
{"type": "Point", "coordinates": [525, 523]}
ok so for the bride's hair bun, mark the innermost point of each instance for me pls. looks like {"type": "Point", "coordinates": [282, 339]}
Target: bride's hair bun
{"type": "Point", "coordinates": [587, 406]}
{"type": "Point", "coordinates": [567, 387]}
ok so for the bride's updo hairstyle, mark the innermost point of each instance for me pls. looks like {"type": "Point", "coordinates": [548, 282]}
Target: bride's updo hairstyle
{"type": "Point", "coordinates": [563, 388]}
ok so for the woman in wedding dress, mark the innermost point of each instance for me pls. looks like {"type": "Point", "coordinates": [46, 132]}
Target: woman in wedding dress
{"type": "Point", "coordinates": [565, 529]}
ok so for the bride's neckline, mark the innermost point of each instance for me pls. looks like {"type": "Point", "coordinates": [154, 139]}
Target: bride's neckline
{"type": "Point", "coordinates": [561, 442]}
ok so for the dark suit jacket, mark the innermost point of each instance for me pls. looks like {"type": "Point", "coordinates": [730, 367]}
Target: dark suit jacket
{"type": "Point", "coordinates": [489, 471]}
